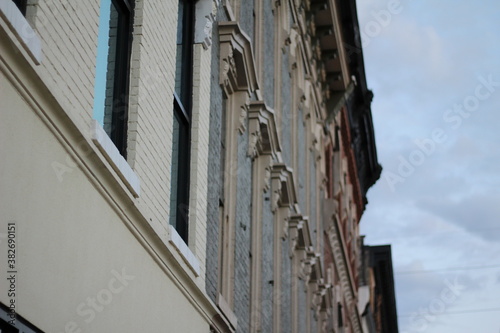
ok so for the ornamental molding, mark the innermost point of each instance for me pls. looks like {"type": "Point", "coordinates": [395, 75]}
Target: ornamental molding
{"type": "Point", "coordinates": [300, 238]}
{"type": "Point", "coordinates": [237, 63]}
{"type": "Point", "coordinates": [324, 306]}
{"type": "Point", "coordinates": [316, 275]}
{"type": "Point", "coordinates": [263, 136]}
{"type": "Point", "coordinates": [340, 260]}
{"type": "Point", "coordinates": [206, 11]}
{"type": "Point", "coordinates": [283, 186]}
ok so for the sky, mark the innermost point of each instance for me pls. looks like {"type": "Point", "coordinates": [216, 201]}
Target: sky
{"type": "Point", "coordinates": [102, 61]}
{"type": "Point", "coordinates": [434, 68]}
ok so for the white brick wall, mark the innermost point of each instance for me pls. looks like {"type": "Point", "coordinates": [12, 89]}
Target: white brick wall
{"type": "Point", "coordinates": [199, 154]}
{"type": "Point", "coordinates": [151, 113]}
{"type": "Point", "coordinates": [68, 31]}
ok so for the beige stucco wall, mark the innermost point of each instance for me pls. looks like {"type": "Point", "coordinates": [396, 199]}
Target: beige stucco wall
{"type": "Point", "coordinates": [71, 243]}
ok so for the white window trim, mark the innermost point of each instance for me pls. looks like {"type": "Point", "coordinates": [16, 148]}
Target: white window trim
{"type": "Point", "coordinates": [109, 150]}
{"type": "Point", "coordinates": [25, 35]}
{"type": "Point", "coordinates": [184, 250]}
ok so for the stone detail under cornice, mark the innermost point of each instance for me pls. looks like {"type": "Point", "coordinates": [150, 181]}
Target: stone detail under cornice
{"type": "Point", "coordinates": [206, 11]}
{"type": "Point", "coordinates": [283, 187]}
{"type": "Point", "coordinates": [341, 263]}
{"type": "Point", "coordinates": [236, 60]}
{"type": "Point", "coordinates": [300, 238]}
{"type": "Point", "coordinates": [263, 137]}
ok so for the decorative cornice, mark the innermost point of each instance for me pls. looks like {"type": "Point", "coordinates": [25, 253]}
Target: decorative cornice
{"type": "Point", "coordinates": [325, 305]}
{"type": "Point", "coordinates": [311, 268]}
{"type": "Point", "coordinates": [316, 268]}
{"type": "Point", "coordinates": [295, 223]}
{"type": "Point", "coordinates": [300, 243]}
{"type": "Point", "coordinates": [263, 137]}
{"type": "Point", "coordinates": [206, 11]}
{"type": "Point", "coordinates": [342, 265]}
{"type": "Point", "coordinates": [236, 59]}
{"type": "Point", "coordinates": [283, 187]}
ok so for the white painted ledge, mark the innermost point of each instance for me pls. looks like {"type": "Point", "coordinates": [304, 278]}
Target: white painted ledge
{"type": "Point", "coordinates": [226, 310]}
{"type": "Point", "coordinates": [113, 156]}
{"type": "Point", "coordinates": [184, 250]}
{"type": "Point", "coordinates": [22, 30]}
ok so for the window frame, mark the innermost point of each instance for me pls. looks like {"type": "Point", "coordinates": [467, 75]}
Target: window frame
{"type": "Point", "coordinates": [182, 112]}
{"type": "Point", "coordinates": [119, 119]}
{"type": "Point", "coordinates": [122, 70]}
{"type": "Point", "coordinates": [21, 5]}
{"type": "Point", "coordinates": [183, 174]}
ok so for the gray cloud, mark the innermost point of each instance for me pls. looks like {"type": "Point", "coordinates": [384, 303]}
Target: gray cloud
{"type": "Point", "coordinates": [446, 213]}
{"type": "Point", "coordinates": [479, 214]}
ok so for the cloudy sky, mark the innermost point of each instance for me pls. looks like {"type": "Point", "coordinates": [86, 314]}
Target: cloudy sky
{"type": "Point", "coordinates": [434, 67]}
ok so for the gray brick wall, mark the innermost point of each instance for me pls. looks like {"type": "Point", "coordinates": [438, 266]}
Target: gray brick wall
{"type": "Point", "coordinates": [267, 86]}
{"type": "Point", "coordinates": [246, 18]}
{"type": "Point", "coordinates": [214, 165]}
{"type": "Point", "coordinates": [321, 225]}
{"type": "Point", "coordinates": [314, 323]}
{"type": "Point", "coordinates": [313, 221]}
{"type": "Point", "coordinates": [302, 306]}
{"type": "Point", "coordinates": [243, 232]}
{"type": "Point", "coordinates": [301, 172]}
{"type": "Point", "coordinates": [286, 116]}
{"type": "Point", "coordinates": [267, 265]}
{"type": "Point", "coordinates": [286, 287]}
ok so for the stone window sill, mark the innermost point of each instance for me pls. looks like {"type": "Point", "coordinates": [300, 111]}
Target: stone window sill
{"type": "Point", "coordinates": [113, 156]}
{"type": "Point", "coordinates": [23, 36]}
{"type": "Point", "coordinates": [184, 250]}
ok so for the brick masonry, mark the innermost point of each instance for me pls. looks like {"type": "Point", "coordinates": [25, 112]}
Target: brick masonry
{"type": "Point", "coordinates": [68, 69]}
{"type": "Point", "coordinates": [214, 164]}
{"type": "Point", "coordinates": [243, 227]}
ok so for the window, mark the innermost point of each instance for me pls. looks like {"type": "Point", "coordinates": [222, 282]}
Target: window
{"type": "Point", "coordinates": [179, 194]}
{"type": "Point", "coordinates": [112, 70]}
{"type": "Point", "coordinates": [21, 4]}
{"type": "Point", "coordinates": [340, 315]}
{"type": "Point", "coordinates": [5, 327]}
{"type": "Point", "coordinates": [329, 170]}
{"type": "Point", "coordinates": [14, 324]}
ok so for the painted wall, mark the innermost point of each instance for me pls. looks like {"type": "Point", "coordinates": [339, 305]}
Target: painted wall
{"type": "Point", "coordinates": [73, 248]}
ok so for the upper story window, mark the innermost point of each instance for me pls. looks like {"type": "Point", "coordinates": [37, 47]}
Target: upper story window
{"type": "Point", "coordinates": [21, 4]}
{"type": "Point", "coordinates": [179, 194]}
{"type": "Point", "coordinates": [113, 70]}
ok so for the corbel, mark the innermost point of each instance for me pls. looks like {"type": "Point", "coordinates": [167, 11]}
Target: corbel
{"type": "Point", "coordinates": [263, 137]}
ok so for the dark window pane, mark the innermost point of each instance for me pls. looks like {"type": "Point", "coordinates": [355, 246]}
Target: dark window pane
{"type": "Point", "coordinates": [174, 173]}
{"type": "Point", "coordinates": [179, 51]}
{"type": "Point", "coordinates": [6, 327]}
{"type": "Point", "coordinates": [179, 190]}
{"type": "Point", "coordinates": [179, 195]}
{"type": "Point", "coordinates": [21, 4]}
{"type": "Point", "coordinates": [112, 70]}
{"type": "Point", "coordinates": [183, 69]}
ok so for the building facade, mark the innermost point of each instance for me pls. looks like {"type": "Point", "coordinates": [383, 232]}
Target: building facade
{"type": "Point", "coordinates": [182, 166]}
{"type": "Point", "coordinates": [377, 300]}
